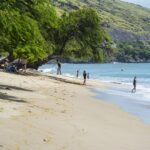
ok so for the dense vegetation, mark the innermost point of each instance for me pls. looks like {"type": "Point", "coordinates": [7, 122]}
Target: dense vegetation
{"type": "Point", "coordinates": [128, 25]}
{"type": "Point", "coordinates": [133, 52]}
{"type": "Point", "coordinates": [24, 26]}
{"type": "Point", "coordinates": [41, 29]}
{"type": "Point", "coordinates": [33, 30]}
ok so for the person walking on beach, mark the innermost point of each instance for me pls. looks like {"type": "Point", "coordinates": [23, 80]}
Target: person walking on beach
{"type": "Point", "coordinates": [77, 74]}
{"type": "Point", "coordinates": [134, 84]}
{"type": "Point", "coordinates": [84, 77]}
{"type": "Point", "coordinates": [59, 67]}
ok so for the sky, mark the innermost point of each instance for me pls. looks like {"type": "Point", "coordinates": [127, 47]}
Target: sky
{"type": "Point", "coordinates": [145, 3]}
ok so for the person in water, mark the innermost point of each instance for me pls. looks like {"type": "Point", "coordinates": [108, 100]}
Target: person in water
{"type": "Point", "coordinates": [77, 74]}
{"type": "Point", "coordinates": [84, 77]}
{"type": "Point", "coordinates": [134, 84]}
{"type": "Point", "coordinates": [59, 67]}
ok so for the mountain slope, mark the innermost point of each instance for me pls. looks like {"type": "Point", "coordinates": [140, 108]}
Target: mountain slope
{"type": "Point", "coordinates": [128, 24]}
{"type": "Point", "coordinates": [119, 18]}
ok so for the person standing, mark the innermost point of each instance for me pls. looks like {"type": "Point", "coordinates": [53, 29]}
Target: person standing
{"type": "Point", "coordinates": [77, 74]}
{"type": "Point", "coordinates": [134, 84]}
{"type": "Point", "coordinates": [84, 77]}
{"type": "Point", "coordinates": [59, 67]}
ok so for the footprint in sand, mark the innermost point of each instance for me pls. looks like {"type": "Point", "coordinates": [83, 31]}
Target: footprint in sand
{"type": "Point", "coordinates": [47, 139]}
{"type": "Point", "coordinates": [29, 111]}
{"type": "Point", "coordinates": [63, 148]}
{"type": "Point", "coordinates": [63, 111]}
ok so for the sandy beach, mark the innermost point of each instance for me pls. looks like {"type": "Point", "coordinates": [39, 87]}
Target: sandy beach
{"type": "Point", "coordinates": [39, 112]}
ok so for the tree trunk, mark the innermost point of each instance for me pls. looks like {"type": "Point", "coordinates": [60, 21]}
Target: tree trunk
{"type": "Point", "coordinates": [36, 64]}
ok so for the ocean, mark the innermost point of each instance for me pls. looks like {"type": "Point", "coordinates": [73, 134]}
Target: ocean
{"type": "Point", "coordinates": [120, 77]}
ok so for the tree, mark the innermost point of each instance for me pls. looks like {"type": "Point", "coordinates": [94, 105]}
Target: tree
{"type": "Point", "coordinates": [21, 36]}
{"type": "Point", "coordinates": [26, 28]}
{"type": "Point", "coordinates": [32, 29]}
{"type": "Point", "coordinates": [84, 27]}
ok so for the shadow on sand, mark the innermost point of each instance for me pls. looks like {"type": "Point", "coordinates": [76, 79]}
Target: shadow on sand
{"type": "Point", "coordinates": [8, 87]}
{"type": "Point", "coordinates": [6, 97]}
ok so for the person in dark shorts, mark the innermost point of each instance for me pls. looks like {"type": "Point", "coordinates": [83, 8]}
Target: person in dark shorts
{"type": "Point", "coordinates": [84, 77]}
{"type": "Point", "coordinates": [134, 84]}
{"type": "Point", "coordinates": [59, 67]}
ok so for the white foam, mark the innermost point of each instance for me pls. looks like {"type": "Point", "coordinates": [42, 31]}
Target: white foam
{"type": "Point", "coordinates": [124, 89]}
{"type": "Point", "coordinates": [144, 91]}
{"type": "Point", "coordinates": [47, 70]}
{"type": "Point", "coordinates": [69, 75]}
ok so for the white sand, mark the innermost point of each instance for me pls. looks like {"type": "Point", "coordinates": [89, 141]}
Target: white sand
{"type": "Point", "coordinates": [39, 113]}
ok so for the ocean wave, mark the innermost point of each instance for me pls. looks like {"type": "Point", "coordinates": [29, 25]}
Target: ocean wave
{"type": "Point", "coordinates": [69, 75]}
{"type": "Point", "coordinates": [47, 70]}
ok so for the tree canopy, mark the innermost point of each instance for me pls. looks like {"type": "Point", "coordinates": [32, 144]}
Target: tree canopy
{"type": "Point", "coordinates": [33, 30]}
{"type": "Point", "coordinates": [82, 30]}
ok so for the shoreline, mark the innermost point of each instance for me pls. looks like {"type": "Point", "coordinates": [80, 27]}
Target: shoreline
{"type": "Point", "coordinates": [49, 113]}
{"type": "Point", "coordinates": [119, 94]}
{"type": "Point", "coordinates": [128, 104]}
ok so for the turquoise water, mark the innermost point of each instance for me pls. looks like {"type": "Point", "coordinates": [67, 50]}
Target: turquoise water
{"type": "Point", "coordinates": [120, 94]}
{"type": "Point", "coordinates": [119, 72]}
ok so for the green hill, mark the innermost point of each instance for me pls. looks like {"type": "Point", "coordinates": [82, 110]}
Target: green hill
{"type": "Point", "coordinates": [128, 24]}
{"type": "Point", "coordinates": [114, 14]}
